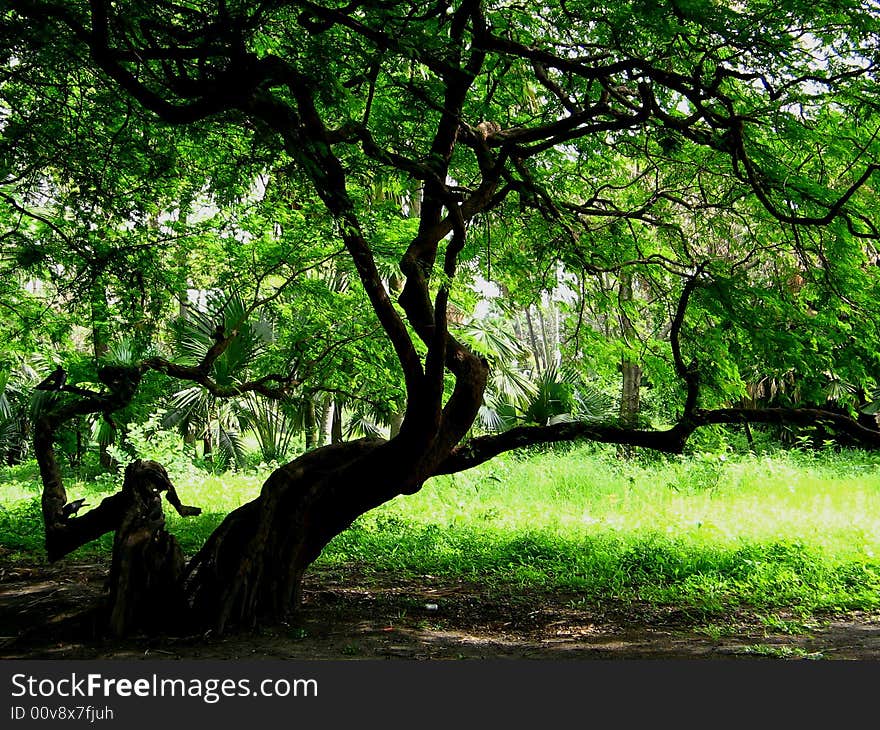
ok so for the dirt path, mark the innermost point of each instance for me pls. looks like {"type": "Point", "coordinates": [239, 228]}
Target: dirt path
{"type": "Point", "coordinates": [356, 616]}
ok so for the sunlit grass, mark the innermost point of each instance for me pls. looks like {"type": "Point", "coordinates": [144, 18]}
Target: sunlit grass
{"type": "Point", "coordinates": [711, 533]}
{"type": "Point", "coordinates": [832, 503]}
{"type": "Point", "coordinates": [791, 530]}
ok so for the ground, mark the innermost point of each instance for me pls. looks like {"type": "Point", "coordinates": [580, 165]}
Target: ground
{"type": "Point", "coordinates": [354, 614]}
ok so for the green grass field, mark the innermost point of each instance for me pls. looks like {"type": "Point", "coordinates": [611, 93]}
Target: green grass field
{"type": "Point", "coordinates": [793, 531]}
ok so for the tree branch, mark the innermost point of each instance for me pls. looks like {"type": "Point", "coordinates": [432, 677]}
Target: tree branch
{"type": "Point", "coordinates": [671, 441]}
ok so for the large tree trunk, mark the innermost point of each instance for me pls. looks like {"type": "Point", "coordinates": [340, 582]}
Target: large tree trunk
{"type": "Point", "coordinates": [251, 567]}
{"type": "Point", "coordinates": [630, 396]}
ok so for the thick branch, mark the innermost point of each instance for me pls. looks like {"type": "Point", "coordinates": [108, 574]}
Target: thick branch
{"type": "Point", "coordinates": [198, 374]}
{"type": "Point", "coordinates": [868, 437]}
{"type": "Point", "coordinates": [64, 538]}
{"type": "Point", "coordinates": [672, 441]}
{"type": "Point", "coordinates": [483, 448]}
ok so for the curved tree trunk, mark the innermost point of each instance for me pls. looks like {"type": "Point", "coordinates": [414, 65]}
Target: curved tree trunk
{"type": "Point", "coordinates": [251, 567]}
{"type": "Point", "coordinates": [145, 585]}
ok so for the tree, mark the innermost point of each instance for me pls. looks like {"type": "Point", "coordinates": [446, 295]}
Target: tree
{"type": "Point", "coordinates": [655, 120]}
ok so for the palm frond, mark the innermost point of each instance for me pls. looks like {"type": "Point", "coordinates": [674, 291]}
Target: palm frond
{"type": "Point", "coordinates": [359, 424]}
{"type": "Point", "coordinates": [122, 352]}
{"type": "Point", "coordinates": [103, 432]}
{"type": "Point", "coordinates": [5, 404]}
{"type": "Point", "coordinates": [489, 419]}
{"type": "Point", "coordinates": [489, 338]}
{"type": "Point", "coordinates": [230, 448]}
{"type": "Point", "coordinates": [592, 403]}
{"type": "Point", "coordinates": [9, 436]}
{"type": "Point", "coordinates": [511, 384]}
{"type": "Point", "coordinates": [227, 314]}
{"type": "Point", "coordinates": [271, 422]}
{"type": "Point", "coordinates": [42, 402]}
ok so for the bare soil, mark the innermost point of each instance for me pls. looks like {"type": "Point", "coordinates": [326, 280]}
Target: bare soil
{"type": "Point", "coordinates": [352, 614]}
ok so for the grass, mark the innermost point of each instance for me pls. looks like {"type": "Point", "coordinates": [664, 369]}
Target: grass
{"type": "Point", "coordinates": [791, 532]}
{"type": "Point", "coordinates": [794, 532]}
{"type": "Point", "coordinates": [781, 652]}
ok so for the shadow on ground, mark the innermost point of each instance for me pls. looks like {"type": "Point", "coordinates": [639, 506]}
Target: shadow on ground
{"type": "Point", "coordinates": [352, 615]}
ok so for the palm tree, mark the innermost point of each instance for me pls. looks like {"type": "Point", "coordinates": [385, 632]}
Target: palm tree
{"type": "Point", "coordinates": [16, 385]}
{"type": "Point", "coordinates": [274, 424]}
{"type": "Point", "coordinates": [519, 391]}
{"type": "Point", "coordinates": [193, 411]}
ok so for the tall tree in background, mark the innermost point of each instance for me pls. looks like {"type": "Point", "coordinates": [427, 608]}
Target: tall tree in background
{"type": "Point", "coordinates": [767, 114]}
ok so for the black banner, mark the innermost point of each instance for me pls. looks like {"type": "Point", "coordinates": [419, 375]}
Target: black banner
{"type": "Point", "coordinates": [199, 694]}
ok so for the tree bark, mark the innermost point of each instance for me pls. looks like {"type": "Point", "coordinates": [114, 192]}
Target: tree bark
{"type": "Point", "coordinates": [146, 592]}
{"type": "Point", "coordinates": [630, 397]}
{"type": "Point", "coordinates": [251, 567]}
{"type": "Point", "coordinates": [326, 421]}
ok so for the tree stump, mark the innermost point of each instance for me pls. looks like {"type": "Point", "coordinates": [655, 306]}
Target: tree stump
{"type": "Point", "coordinates": [147, 566]}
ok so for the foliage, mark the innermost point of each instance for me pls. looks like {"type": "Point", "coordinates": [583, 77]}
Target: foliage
{"type": "Point", "coordinates": [149, 440]}
{"type": "Point", "coordinates": [15, 386]}
{"type": "Point", "coordinates": [273, 425]}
